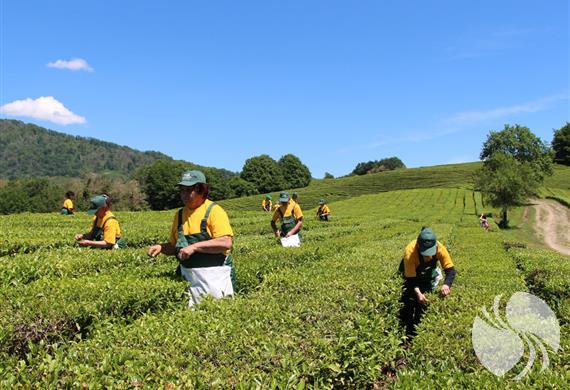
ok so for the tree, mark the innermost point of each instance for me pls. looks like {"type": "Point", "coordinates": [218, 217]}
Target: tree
{"type": "Point", "coordinates": [561, 145]}
{"type": "Point", "coordinates": [240, 187]}
{"type": "Point", "coordinates": [159, 180]}
{"type": "Point", "coordinates": [515, 164]}
{"type": "Point", "coordinates": [385, 164]}
{"type": "Point", "coordinates": [328, 176]}
{"type": "Point", "coordinates": [506, 183]}
{"type": "Point", "coordinates": [263, 172]}
{"type": "Point", "coordinates": [519, 142]}
{"type": "Point", "coordinates": [296, 173]}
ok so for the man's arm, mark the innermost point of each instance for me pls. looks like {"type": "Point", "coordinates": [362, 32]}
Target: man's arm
{"type": "Point", "coordinates": [166, 248]}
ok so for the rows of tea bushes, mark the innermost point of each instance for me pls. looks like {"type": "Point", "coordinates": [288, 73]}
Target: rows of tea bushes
{"type": "Point", "coordinates": [322, 315]}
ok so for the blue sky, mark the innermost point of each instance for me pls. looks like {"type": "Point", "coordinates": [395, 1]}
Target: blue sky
{"type": "Point", "coordinates": [333, 82]}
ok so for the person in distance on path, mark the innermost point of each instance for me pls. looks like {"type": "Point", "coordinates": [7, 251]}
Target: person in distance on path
{"type": "Point", "coordinates": [421, 275]}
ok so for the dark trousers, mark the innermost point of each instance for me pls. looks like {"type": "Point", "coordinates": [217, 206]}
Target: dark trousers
{"type": "Point", "coordinates": [411, 312]}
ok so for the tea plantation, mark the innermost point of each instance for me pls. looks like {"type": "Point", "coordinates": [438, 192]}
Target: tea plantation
{"type": "Point", "coordinates": [323, 315]}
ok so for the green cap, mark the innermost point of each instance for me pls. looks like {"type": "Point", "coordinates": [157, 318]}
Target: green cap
{"type": "Point", "coordinates": [322, 201]}
{"type": "Point", "coordinates": [96, 203]}
{"type": "Point", "coordinates": [427, 242]}
{"type": "Point", "coordinates": [189, 178]}
{"type": "Point", "coordinates": [268, 197]}
{"type": "Point", "coordinates": [284, 197]}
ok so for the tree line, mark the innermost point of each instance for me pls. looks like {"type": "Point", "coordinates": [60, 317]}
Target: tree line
{"type": "Point", "coordinates": [153, 186]}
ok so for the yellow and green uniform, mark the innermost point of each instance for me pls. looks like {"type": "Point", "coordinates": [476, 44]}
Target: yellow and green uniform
{"type": "Point", "coordinates": [107, 229]}
{"type": "Point", "coordinates": [266, 204]}
{"type": "Point", "coordinates": [323, 212]}
{"type": "Point", "coordinates": [289, 214]}
{"type": "Point", "coordinates": [416, 267]}
{"type": "Point", "coordinates": [206, 222]}
{"type": "Point", "coordinates": [421, 273]}
{"type": "Point", "coordinates": [67, 207]}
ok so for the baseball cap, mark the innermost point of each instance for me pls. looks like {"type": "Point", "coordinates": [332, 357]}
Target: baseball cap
{"type": "Point", "coordinates": [427, 242]}
{"type": "Point", "coordinates": [284, 197]}
{"type": "Point", "coordinates": [96, 203]}
{"type": "Point", "coordinates": [189, 178]}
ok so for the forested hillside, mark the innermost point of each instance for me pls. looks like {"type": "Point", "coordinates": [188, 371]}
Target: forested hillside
{"type": "Point", "coordinates": [27, 150]}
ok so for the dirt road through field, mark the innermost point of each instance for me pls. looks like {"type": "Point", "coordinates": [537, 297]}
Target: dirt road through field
{"type": "Point", "coordinates": [552, 224]}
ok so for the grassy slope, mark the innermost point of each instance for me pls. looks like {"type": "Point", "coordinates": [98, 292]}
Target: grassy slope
{"type": "Point", "coordinates": [453, 175]}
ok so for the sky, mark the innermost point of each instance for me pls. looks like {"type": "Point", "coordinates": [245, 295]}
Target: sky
{"type": "Point", "coordinates": [333, 82]}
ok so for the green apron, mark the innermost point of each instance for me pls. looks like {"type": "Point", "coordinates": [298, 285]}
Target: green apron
{"type": "Point", "coordinates": [426, 274]}
{"type": "Point", "coordinates": [98, 234]}
{"type": "Point", "coordinates": [201, 260]}
{"type": "Point", "coordinates": [288, 223]}
{"type": "Point", "coordinates": [65, 211]}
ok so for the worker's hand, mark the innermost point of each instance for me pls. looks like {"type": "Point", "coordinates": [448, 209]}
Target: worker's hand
{"type": "Point", "coordinates": [422, 298]}
{"type": "Point", "coordinates": [154, 250]}
{"type": "Point", "coordinates": [186, 252]}
{"type": "Point", "coordinates": [445, 290]}
{"type": "Point", "coordinates": [289, 234]}
{"type": "Point", "coordinates": [84, 242]}
{"type": "Point", "coordinates": [277, 233]}
{"type": "Point", "coordinates": [78, 237]}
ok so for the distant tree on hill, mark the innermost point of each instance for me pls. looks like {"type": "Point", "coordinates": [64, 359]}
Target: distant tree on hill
{"type": "Point", "coordinates": [386, 164]}
{"type": "Point", "coordinates": [520, 143]}
{"type": "Point", "coordinates": [296, 173]}
{"type": "Point", "coordinates": [328, 176]}
{"type": "Point", "coordinates": [561, 145]}
{"type": "Point", "coordinates": [30, 194]}
{"type": "Point", "coordinates": [263, 172]}
{"type": "Point", "coordinates": [159, 183]}
{"type": "Point", "coordinates": [515, 162]}
{"type": "Point", "coordinates": [240, 187]}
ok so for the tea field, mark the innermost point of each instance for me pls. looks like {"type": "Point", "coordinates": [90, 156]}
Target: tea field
{"type": "Point", "coordinates": [323, 315]}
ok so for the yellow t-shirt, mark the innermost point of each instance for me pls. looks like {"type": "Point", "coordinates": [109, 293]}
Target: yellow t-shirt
{"type": "Point", "coordinates": [111, 231]}
{"type": "Point", "coordinates": [265, 202]}
{"type": "Point", "coordinates": [412, 259]}
{"type": "Point", "coordinates": [291, 208]}
{"type": "Point", "coordinates": [68, 204]}
{"type": "Point", "coordinates": [218, 224]}
{"type": "Point", "coordinates": [323, 209]}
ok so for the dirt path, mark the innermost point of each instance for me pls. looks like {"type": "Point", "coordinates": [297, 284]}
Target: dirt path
{"type": "Point", "coordinates": [553, 224]}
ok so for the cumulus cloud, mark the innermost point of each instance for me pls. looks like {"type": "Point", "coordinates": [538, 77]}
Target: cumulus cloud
{"type": "Point", "coordinates": [73, 64]}
{"type": "Point", "coordinates": [45, 108]}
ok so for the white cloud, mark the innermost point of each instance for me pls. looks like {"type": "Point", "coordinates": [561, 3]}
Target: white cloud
{"type": "Point", "coordinates": [469, 117]}
{"type": "Point", "coordinates": [45, 108]}
{"type": "Point", "coordinates": [74, 64]}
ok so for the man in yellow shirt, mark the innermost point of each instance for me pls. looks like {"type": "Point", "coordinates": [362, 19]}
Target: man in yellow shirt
{"type": "Point", "coordinates": [266, 203]}
{"type": "Point", "coordinates": [323, 211]}
{"type": "Point", "coordinates": [105, 232]}
{"type": "Point", "coordinates": [200, 238]}
{"type": "Point", "coordinates": [67, 208]}
{"type": "Point", "coordinates": [291, 217]}
{"type": "Point", "coordinates": [421, 275]}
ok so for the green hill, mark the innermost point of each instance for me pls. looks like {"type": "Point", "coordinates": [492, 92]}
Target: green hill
{"type": "Point", "coordinates": [27, 150]}
{"type": "Point", "coordinates": [440, 176]}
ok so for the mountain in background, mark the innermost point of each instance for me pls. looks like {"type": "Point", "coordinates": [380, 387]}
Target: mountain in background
{"type": "Point", "coordinates": [27, 150]}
